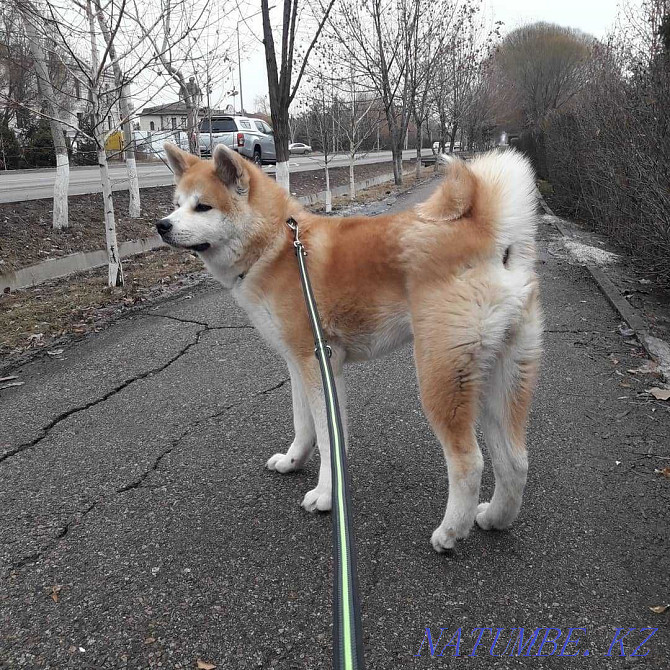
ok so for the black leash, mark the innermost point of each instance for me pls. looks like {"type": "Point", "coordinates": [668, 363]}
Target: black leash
{"type": "Point", "coordinates": [347, 629]}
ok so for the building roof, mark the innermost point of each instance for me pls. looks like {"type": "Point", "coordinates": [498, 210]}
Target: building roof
{"type": "Point", "coordinates": [177, 108]}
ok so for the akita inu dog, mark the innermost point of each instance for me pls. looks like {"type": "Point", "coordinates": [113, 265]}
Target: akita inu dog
{"type": "Point", "coordinates": [455, 274]}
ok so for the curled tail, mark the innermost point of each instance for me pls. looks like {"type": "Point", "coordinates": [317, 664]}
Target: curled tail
{"type": "Point", "coordinates": [497, 188]}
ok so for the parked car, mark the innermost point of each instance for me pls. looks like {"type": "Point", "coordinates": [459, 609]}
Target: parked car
{"type": "Point", "coordinates": [252, 138]}
{"type": "Point", "coordinates": [299, 148]}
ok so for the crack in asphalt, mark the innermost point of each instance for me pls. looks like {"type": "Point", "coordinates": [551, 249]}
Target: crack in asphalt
{"type": "Point", "coordinates": [80, 515]}
{"type": "Point", "coordinates": [44, 432]}
{"type": "Point", "coordinates": [202, 323]}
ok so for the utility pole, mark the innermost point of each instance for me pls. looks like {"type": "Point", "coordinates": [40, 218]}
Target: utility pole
{"type": "Point", "coordinates": [239, 67]}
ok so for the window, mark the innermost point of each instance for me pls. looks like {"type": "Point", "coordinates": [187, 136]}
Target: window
{"type": "Point", "coordinates": [173, 122]}
{"type": "Point", "coordinates": [110, 123]}
{"type": "Point", "coordinates": [268, 130]}
{"type": "Point", "coordinates": [77, 88]}
{"type": "Point", "coordinates": [245, 124]}
{"type": "Point", "coordinates": [183, 122]}
{"type": "Point", "coordinates": [80, 118]}
{"type": "Point", "coordinates": [225, 125]}
{"type": "Point", "coordinates": [259, 125]}
{"type": "Point", "coordinates": [152, 125]}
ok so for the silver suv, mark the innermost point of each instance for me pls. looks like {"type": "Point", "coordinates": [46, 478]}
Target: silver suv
{"type": "Point", "coordinates": [252, 138]}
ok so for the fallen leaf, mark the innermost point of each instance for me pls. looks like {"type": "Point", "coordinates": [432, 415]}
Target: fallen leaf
{"type": "Point", "coordinates": [649, 367]}
{"type": "Point", "coordinates": [55, 352]}
{"type": "Point", "coordinates": [203, 665]}
{"type": "Point", "coordinates": [625, 331]}
{"type": "Point", "coordinates": [617, 462]}
{"type": "Point", "coordinates": [664, 471]}
{"type": "Point", "coordinates": [55, 592]}
{"type": "Point", "coordinates": [150, 640]}
{"type": "Point", "coordinates": [660, 394]}
{"type": "Point", "coordinates": [659, 609]}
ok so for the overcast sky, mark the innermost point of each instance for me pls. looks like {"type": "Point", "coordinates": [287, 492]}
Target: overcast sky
{"type": "Point", "coordinates": [592, 16]}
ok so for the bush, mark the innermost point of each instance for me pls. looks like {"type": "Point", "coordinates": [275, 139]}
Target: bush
{"type": "Point", "coordinates": [38, 148]}
{"type": "Point", "coordinates": [608, 155]}
{"type": "Point", "coordinates": [10, 150]}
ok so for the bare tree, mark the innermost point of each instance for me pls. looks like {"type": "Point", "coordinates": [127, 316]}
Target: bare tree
{"type": "Point", "coordinates": [126, 113]}
{"type": "Point", "coordinates": [321, 117]}
{"type": "Point", "coordinates": [283, 82]}
{"type": "Point", "coordinates": [47, 97]}
{"type": "Point", "coordinates": [380, 39]}
{"type": "Point", "coordinates": [166, 32]}
{"type": "Point", "coordinates": [544, 65]}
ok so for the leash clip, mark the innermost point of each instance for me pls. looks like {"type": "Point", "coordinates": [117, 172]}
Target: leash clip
{"type": "Point", "coordinates": [297, 244]}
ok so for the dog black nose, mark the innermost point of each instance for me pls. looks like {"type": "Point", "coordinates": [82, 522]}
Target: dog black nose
{"type": "Point", "coordinates": [163, 226]}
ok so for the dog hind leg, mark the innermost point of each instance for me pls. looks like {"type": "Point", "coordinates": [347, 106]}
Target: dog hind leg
{"type": "Point", "coordinates": [449, 383]}
{"type": "Point", "coordinates": [504, 416]}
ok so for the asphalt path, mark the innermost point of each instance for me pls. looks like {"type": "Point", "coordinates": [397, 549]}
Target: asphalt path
{"type": "Point", "coordinates": [140, 528]}
{"type": "Point", "coordinates": [16, 186]}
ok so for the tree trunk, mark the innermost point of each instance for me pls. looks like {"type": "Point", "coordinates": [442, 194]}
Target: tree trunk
{"type": "Point", "coordinates": [452, 138]}
{"type": "Point", "coordinates": [115, 275]}
{"type": "Point", "coordinates": [329, 197]}
{"type": "Point", "coordinates": [45, 89]}
{"type": "Point", "coordinates": [352, 179]}
{"type": "Point", "coordinates": [419, 146]}
{"type": "Point", "coordinates": [124, 106]}
{"type": "Point", "coordinates": [281, 135]}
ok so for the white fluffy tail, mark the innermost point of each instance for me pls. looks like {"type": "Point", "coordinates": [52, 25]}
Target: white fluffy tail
{"type": "Point", "coordinates": [510, 180]}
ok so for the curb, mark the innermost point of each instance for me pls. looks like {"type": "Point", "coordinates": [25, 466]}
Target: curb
{"type": "Point", "coordinates": [657, 349]}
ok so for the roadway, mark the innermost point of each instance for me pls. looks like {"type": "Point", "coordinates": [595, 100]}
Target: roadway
{"type": "Point", "coordinates": [16, 186]}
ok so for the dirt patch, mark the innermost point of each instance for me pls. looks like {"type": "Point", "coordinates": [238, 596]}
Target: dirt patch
{"type": "Point", "coordinates": [52, 314]}
{"type": "Point", "coordinates": [27, 238]}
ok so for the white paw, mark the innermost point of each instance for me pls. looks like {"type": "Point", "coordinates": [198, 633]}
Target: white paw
{"type": "Point", "coordinates": [318, 499]}
{"type": "Point", "coordinates": [488, 519]}
{"type": "Point", "coordinates": [281, 463]}
{"type": "Point", "coordinates": [443, 539]}
{"type": "Point", "coordinates": [482, 519]}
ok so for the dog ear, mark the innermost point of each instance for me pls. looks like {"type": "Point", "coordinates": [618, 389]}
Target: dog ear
{"type": "Point", "coordinates": [230, 169]}
{"type": "Point", "coordinates": [179, 160]}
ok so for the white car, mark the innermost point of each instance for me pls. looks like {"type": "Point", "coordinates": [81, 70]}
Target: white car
{"type": "Point", "coordinates": [299, 148]}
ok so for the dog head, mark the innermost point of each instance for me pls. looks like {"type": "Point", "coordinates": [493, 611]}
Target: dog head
{"type": "Point", "coordinates": [212, 213]}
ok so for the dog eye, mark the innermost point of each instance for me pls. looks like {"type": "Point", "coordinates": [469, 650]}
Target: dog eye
{"type": "Point", "coordinates": [202, 208]}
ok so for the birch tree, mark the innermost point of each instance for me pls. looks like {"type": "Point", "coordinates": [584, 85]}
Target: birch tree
{"type": "Point", "coordinates": [48, 98]}
{"type": "Point", "coordinates": [283, 81]}
{"type": "Point", "coordinates": [126, 114]}
{"type": "Point", "coordinates": [380, 40]}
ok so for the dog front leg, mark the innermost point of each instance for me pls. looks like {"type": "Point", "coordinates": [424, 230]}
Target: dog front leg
{"type": "Point", "coordinates": [320, 498]}
{"type": "Point", "coordinates": [302, 446]}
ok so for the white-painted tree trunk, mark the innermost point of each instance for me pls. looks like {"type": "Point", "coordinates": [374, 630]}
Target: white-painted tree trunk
{"type": "Point", "coordinates": [329, 197]}
{"type": "Point", "coordinates": [125, 108]}
{"type": "Point", "coordinates": [47, 97]}
{"type": "Point", "coordinates": [352, 178]}
{"type": "Point", "coordinates": [115, 276]}
{"type": "Point", "coordinates": [282, 175]}
{"type": "Point", "coordinates": [133, 187]}
{"type": "Point", "coordinates": [61, 187]}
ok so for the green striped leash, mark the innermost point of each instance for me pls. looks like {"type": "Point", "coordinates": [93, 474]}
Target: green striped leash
{"type": "Point", "coordinates": [347, 629]}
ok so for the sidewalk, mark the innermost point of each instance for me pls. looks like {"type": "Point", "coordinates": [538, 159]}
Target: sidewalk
{"type": "Point", "coordinates": [140, 528]}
